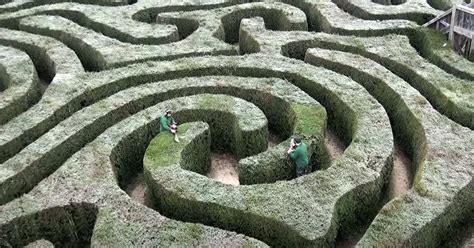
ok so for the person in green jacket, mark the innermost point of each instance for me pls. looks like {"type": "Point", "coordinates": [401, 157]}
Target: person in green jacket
{"type": "Point", "coordinates": [168, 124]}
{"type": "Point", "coordinates": [298, 152]}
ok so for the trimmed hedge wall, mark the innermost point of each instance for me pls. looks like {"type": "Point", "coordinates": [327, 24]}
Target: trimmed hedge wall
{"type": "Point", "coordinates": [88, 51]}
{"type": "Point", "coordinates": [430, 43]}
{"type": "Point", "coordinates": [218, 211]}
{"type": "Point", "coordinates": [327, 17]}
{"type": "Point", "coordinates": [424, 133]}
{"type": "Point", "coordinates": [192, 153]}
{"type": "Point", "coordinates": [62, 149]}
{"type": "Point", "coordinates": [19, 83]}
{"type": "Point", "coordinates": [406, 127]}
{"type": "Point", "coordinates": [49, 56]}
{"type": "Point", "coordinates": [70, 225]}
{"type": "Point", "coordinates": [103, 20]}
{"type": "Point", "coordinates": [433, 83]}
{"type": "Point", "coordinates": [351, 110]}
{"type": "Point", "coordinates": [277, 16]}
{"type": "Point", "coordinates": [51, 157]}
{"type": "Point", "coordinates": [273, 165]}
{"type": "Point", "coordinates": [231, 130]}
{"type": "Point", "coordinates": [87, 177]}
{"type": "Point", "coordinates": [416, 10]}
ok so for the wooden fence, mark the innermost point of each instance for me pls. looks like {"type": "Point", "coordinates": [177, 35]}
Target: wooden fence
{"type": "Point", "coordinates": [462, 30]}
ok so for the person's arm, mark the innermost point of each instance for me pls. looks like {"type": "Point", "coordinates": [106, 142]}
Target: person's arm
{"type": "Point", "coordinates": [294, 154]}
{"type": "Point", "coordinates": [164, 124]}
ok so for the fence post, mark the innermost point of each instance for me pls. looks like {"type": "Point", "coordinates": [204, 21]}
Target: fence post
{"type": "Point", "coordinates": [452, 24]}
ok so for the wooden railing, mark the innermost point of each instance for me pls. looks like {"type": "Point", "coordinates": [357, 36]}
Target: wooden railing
{"type": "Point", "coordinates": [462, 30]}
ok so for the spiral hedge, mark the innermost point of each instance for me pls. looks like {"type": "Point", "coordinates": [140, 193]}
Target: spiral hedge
{"type": "Point", "coordinates": [84, 83]}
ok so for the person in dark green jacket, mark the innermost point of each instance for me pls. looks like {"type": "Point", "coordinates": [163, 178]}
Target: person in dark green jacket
{"type": "Point", "coordinates": [298, 152]}
{"type": "Point", "coordinates": [168, 124]}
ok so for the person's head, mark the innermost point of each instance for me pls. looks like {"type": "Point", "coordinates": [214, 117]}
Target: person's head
{"type": "Point", "coordinates": [168, 112]}
{"type": "Point", "coordinates": [297, 141]}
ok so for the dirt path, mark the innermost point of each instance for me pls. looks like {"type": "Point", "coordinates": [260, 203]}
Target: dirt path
{"type": "Point", "coordinates": [273, 140]}
{"type": "Point", "coordinates": [43, 85]}
{"type": "Point", "coordinates": [400, 182]}
{"type": "Point", "coordinates": [224, 168]}
{"type": "Point", "coordinates": [138, 190]}
{"type": "Point", "coordinates": [401, 177]}
{"type": "Point", "coordinates": [335, 146]}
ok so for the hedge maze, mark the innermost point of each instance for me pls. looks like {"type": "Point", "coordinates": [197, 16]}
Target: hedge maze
{"type": "Point", "coordinates": [83, 84]}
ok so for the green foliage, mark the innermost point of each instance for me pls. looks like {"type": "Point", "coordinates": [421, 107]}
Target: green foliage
{"type": "Point", "coordinates": [163, 150]}
{"type": "Point", "coordinates": [310, 121]}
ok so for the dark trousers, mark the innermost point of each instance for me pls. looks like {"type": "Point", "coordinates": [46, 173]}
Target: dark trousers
{"type": "Point", "coordinates": [303, 171]}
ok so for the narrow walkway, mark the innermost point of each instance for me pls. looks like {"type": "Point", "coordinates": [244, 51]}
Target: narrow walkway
{"type": "Point", "coordinates": [401, 177]}
{"type": "Point", "coordinates": [334, 145]}
{"type": "Point", "coordinates": [400, 181]}
{"type": "Point", "coordinates": [138, 190]}
{"type": "Point", "coordinates": [224, 168]}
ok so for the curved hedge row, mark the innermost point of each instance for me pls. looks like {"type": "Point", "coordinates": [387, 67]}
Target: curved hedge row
{"type": "Point", "coordinates": [88, 48]}
{"type": "Point", "coordinates": [88, 177]}
{"type": "Point", "coordinates": [423, 118]}
{"type": "Point", "coordinates": [15, 5]}
{"type": "Point", "coordinates": [418, 11]}
{"type": "Point", "coordinates": [50, 57]}
{"type": "Point", "coordinates": [18, 82]}
{"type": "Point", "coordinates": [66, 225]}
{"type": "Point", "coordinates": [199, 30]}
{"type": "Point", "coordinates": [59, 143]}
{"type": "Point", "coordinates": [451, 96]}
{"type": "Point", "coordinates": [224, 22]}
{"type": "Point", "coordinates": [98, 52]}
{"type": "Point", "coordinates": [428, 137]}
{"type": "Point", "coordinates": [346, 195]}
{"type": "Point", "coordinates": [326, 16]}
{"type": "Point", "coordinates": [191, 197]}
{"type": "Point", "coordinates": [438, 50]}
{"type": "Point", "coordinates": [115, 22]}
{"type": "Point", "coordinates": [86, 137]}
{"type": "Point", "coordinates": [272, 213]}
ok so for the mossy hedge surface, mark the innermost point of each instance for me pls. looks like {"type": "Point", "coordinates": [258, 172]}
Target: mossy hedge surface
{"type": "Point", "coordinates": [93, 120]}
{"type": "Point", "coordinates": [418, 11]}
{"type": "Point", "coordinates": [51, 58]}
{"type": "Point", "coordinates": [84, 28]}
{"type": "Point", "coordinates": [119, 222]}
{"type": "Point", "coordinates": [213, 203]}
{"type": "Point", "coordinates": [452, 96]}
{"type": "Point", "coordinates": [328, 17]}
{"type": "Point", "coordinates": [232, 70]}
{"type": "Point", "coordinates": [438, 49]}
{"type": "Point", "coordinates": [426, 134]}
{"type": "Point", "coordinates": [314, 81]}
{"type": "Point", "coordinates": [18, 83]}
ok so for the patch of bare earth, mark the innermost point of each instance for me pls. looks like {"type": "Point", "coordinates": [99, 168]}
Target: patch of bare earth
{"type": "Point", "coordinates": [401, 177]}
{"type": "Point", "coordinates": [224, 168]}
{"type": "Point", "coordinates": [334, 145]}
{"type": "Point", "coordinates": [273, 140]}
{"type": "Point", "coordinates": [138, 190]}
{"type": "Point", "coordinates": [352, 239]}
{"type": "Point", "coordinates": [43, 84]}
{"type": "Point", "coordinates": [400, 182]}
